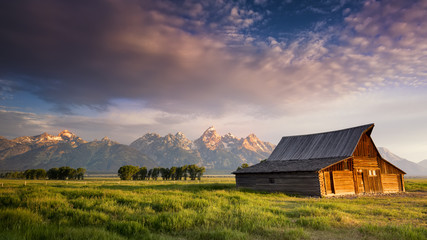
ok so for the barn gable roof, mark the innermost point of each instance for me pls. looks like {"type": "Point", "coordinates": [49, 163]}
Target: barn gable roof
{"type": "Point", "coordinates": [340, 143]}
{"type": "Point", "coordinates": [311, 152]}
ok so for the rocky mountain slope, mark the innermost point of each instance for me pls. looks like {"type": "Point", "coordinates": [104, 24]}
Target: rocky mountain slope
{"type": "Point", "coordinates": [411, 168]}
{"type": "Point", "coordinates": [210, 149]}
{"type": "Point", "coordinates": [170, 150]}
{"type": "Point", "coordinates": [21, 145]}
{"type": "Point", "coordinates": [66, 149]}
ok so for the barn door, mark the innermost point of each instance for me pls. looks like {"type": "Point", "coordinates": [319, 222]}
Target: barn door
{"type": "Point", "coordinates": [329, 187]}
{"type": "Point", "coordinates": [368, 181]}
{"type": "Point", "coordinates": [399, 182]}
{"type": "Point", "coordinates": [360, 181]}
{"type": "Point", "coordinates": [372, 180]}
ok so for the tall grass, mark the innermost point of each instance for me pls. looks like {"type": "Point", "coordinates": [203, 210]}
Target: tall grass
{"type": "Point", "coordinates": [201, 210]}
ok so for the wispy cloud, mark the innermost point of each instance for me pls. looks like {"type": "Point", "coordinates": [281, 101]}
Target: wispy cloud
{"type": "Point", "coordinates": [205, 58]}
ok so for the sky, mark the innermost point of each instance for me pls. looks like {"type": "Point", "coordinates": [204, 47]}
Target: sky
{"type": "Point", "coordinates": [274, 68]}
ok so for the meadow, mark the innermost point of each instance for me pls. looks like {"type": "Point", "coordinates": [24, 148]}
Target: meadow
{"type": "Point", "coordinates": [208, 209]}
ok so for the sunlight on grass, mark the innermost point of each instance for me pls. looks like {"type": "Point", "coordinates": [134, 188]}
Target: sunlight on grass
{"type": "Point", "coordinates": [111, 209]}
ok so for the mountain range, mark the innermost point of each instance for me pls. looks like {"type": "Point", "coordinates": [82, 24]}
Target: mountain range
{"type": "Point", "coordinates": [66, 149]}
{"type": "Point", "coordinates": [210, 150]}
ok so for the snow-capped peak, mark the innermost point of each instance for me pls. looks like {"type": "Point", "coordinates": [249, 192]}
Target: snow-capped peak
{"type": "Point", "coordinates": [210, 138]}
{"type": "Point", "coordinates": [229, 135]}
{"type": "Point", "coordinates": [180, 135]}
{"type": "Point", "coordinates": [210, 129]}
{"type": "Point", "coordinates": [253, 143]}
{"type": "Point", "coordinates": [252, 135]}
{"type": "Point", "coordinates": [211, 132]}
{"type": "Point", "coordinates": [45, 137]}
{"type": "Point", "coordinates": [105, 139]}
{"type": "Point", "coordinates": [66, 134]}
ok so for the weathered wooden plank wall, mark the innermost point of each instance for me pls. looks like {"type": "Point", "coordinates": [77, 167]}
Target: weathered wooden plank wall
{"type": "Point", "coordinates": [346, 164]}
{"type": "Point", "coordinates": [387, 168]}
{"type": "Point", "coordinates": [390, 182]}
{"type": "Point", "coordinates": [322, 185]}
{"type": "Point", "coordinates": [343, 182]}
{"type": "Point", "coordinates": [365, 148]}
{"type": "Point", "coordinates": [304, 183]}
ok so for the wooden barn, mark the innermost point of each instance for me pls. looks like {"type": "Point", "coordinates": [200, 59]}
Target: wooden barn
{"type": "Point", "coordinates": [325, 164]}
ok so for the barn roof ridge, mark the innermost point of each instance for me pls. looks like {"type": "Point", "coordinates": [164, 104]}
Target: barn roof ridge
{"type": "Point", "coordinates": [338, 143]}
{"type": "Point", "coordinates": [331, 131]}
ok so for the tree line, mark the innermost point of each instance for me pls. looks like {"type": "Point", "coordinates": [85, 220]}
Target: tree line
{"type": "Point", "coordinates": [62, 173]}
{"type": "Point", "coordinates": [129, 172]}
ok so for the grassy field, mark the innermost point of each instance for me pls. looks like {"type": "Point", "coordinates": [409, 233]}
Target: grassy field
{"type": "Point", "coordinates": [207, 209]}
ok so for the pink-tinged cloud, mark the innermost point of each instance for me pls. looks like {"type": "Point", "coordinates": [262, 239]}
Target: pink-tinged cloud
{"type": "Point", "coordinates": [174, 59]}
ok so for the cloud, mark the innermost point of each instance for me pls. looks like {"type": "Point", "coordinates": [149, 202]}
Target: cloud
{"type": "Point", "coordinates": [16, 123]}
{"type": "Point", "coordinates": [203, 58]}
{"type": "Point", "coordinates": [399, 117]}
{"type": "Point", "coordinates": [388, 41]}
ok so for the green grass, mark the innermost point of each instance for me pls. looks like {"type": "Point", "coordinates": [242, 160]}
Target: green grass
{"type": "Point", "coordinates": [207, 209]}
{"type": "Point", "coordinates": [416, 185]}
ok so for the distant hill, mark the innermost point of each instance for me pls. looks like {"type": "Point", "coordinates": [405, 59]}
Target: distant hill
{"type": "Point", "coordinates": [411, 168]}
{"type": "Point", "coordinates": [423, 163]}
{"type": "Point", "coordinates": [66, 149]}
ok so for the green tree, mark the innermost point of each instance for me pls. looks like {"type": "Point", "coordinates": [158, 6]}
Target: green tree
{"type": "Point", "coordinates": [141, 174]}
{"type": "Point", "coordinates": [40, 174]}
{"type": "Point", "coordinates": [200, 172]}
{"type": "Point", "coordinates": [184, 170]}
{"type": "Point", "coordinates": [30, 174]}
{"type": "Point", "coordinates": [179, 173]}
{"type": "Point", "coordinates": [165, 173]}
{"type": "Point", "coordinates": [149, 174]}
{"type": "Point", "coordinates": [65, 173]}
{"type": "Point", "coordinates": [13, 175]}
{"type": "Point", "coordinates": [80, 173]}
{"type": "Point", "coordinates": [244, 165]}
{"type": "Point", "coordinates": [195, 172]}
{"type": "Point", "coordinates": [155, 173]}
{"type": "Point", "coordinates": [172, 173]}
{"type": "Point", "coordinates": [192, 171]}
{"type": "Point", "coordinates": [53, 173]}
{"type": "Point", "coordinates": [127, 172]}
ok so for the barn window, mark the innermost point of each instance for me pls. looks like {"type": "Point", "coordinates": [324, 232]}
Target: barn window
{"type": "Point", "coordinates": [372, 173]}
{"type": "Point", "coordinates": [271, 180]}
